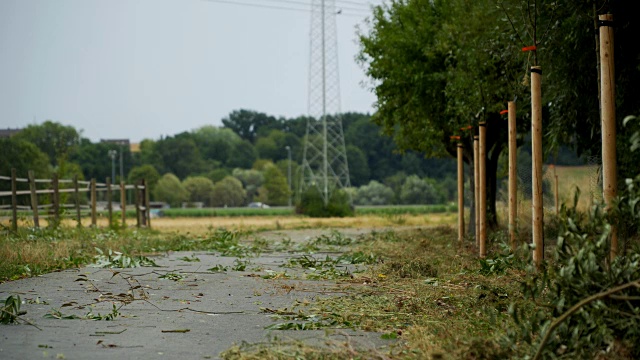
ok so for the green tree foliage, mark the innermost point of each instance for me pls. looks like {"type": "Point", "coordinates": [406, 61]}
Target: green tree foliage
{"type": "Point", "coordinates": [420, 191]}
{"type": "Point", "coordinates": [312, 204]}
{"type": "Point", "coordinates": [374, 193]}
{"type": "Point", "coordinates": [23, 156]}
{"type": "Point", "coordinates": [359, 172]}
{"type": "Point", "coordinates": [54, 139]}
{"type": "Point", "coordinates": [275, 190]}
{"type": "Point", "coordinates": [218, 174]}
{"type": "Point", "coordinates": [170, 190]}
{"type": "Point", "coordinates": [251, 180]}
{"type": "Point", "coordinates": [95, 162]}
{"type": "Point", "coordinates": [395, 183]}
{"type": "Point", "coordinates": [436, 69]}
{"type": "Point", "coordinates": [244, 154]}
{"type": "Point", "coordinates": [200, 189]}
{"type": "Point", "coordinates": [147, 173]}
{"type": "Point", "coordinates": [228, 192]}
{"type": "Point", "coordinates": [179, 155]}
{"type": "Point", "coordinates": [216, 143]}
{"type": "Point", "coordinates": [247, 123]}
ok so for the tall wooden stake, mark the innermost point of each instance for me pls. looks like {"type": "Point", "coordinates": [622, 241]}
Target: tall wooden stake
{"type": "Point", "coordinates": [137, 199]}
{"type": "Point", "coordinates": [513, 177]}
{"type": "Point", "coordinates": [608, 114]}
{"type": "Point", "coordinates": [34, 199]}
{"type": "Point", "coordinates": [482, 162]}
{"type": "Point", "coordinates": [94, 204]}
{"type": "Point", "coordinates": [14, 200]}
{"type": "Point", "coordinates": [76, 192]}
{"type": "Point", "coordinates": [557, 194]}
{"type": "Point", "coordinates": [109, 202]}
{"type": "Point", "coordinates": [476, 185]}
{"type": "Point", "coordinates": [147, 208]}
{"type": "Point", "coordinates": [460, 195]}
{"type": "Point", "coordinates": [123, 203]}
{"type": "Point", "coordinates": [56, 199]}
{"type": "Point", "coordinates": [536, 165]}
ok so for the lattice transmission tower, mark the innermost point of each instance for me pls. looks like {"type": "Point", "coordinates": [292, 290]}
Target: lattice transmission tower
{"type": "Point", "coordinates": [324, 163]}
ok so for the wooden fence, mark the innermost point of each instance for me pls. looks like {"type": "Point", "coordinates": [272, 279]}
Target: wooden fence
{"type": "Point", "coordinates": [54, 188]}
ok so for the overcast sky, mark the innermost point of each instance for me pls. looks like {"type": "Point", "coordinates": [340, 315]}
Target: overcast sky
{"type": "Point", "coordinates": [144, 68]}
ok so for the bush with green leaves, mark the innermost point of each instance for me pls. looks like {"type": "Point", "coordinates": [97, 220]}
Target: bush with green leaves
{"type": "Point", "coordinates": [374, 193]}
{"type": "Point", "coordinates": [587, 304]}
{"type": "Point", "coordinates": [415, 190]}
{"type": "Point", "coordinates": [169, 189]}
{"type": "Point", "coordinates": [312, 204]}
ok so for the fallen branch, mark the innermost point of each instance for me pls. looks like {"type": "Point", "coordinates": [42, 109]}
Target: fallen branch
{"type": "Point", "coordinates": [578, 306]}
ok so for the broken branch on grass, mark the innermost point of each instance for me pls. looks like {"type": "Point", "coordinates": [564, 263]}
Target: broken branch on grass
{"type": "Point", "coordinates": [578, 306]}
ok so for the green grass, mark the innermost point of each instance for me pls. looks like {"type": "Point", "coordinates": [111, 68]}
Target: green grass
{"type": "Point", "coordinates": [279, 211]}
{"type": "Point", "coordinates": [405, 209]}
{"type": "Point", "coordinates": [229, 212]}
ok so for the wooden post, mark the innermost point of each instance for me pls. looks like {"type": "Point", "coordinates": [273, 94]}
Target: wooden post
{"type": "Point", "coordinates": [34, 199]}
{"type": "Point", "coordinates": [536, 166]}
{"type": "Point", "coordinates": [608, 114]}
{"type": "Point", "coordinates": [482, 164]}
{"type": "Point", "coordinates": [137, 199]}
{"type": "Point", "coordinates": [109, 202]}
{"type": "Point", "coordinates": [94, 204]}
{"type": "Point", "coordinates": [513, 177]}
{"type": "Point", "coordinates": [460, 195]}
{"type": "Point", "coordinates": [476, 185]}
{"type": "Point", "coordinates": [56, 199]}
{"type": "Point", "coordinates": [14, 200]}
{"type": "Point", "coordinates": [123, 203]}
{"type": "Point", "coordinates": [77, 196]}
{"type": "Point", "coordinates": [146, 204]}
{"type": "Point", "coordinates": [556, 195]}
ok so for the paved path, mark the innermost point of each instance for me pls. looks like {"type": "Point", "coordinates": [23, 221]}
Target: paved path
{"type": "Point", "coordinates": [217, 309]}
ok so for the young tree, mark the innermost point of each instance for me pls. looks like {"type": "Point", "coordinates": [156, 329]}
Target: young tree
{"type": "Point", "coordinates": [146, 172]}
{"type": "Point", "coordinates": [419, 191]}
{"type": "Point", "coordinates": [439, 66]}
{"type": "Point", "coordinates": [228, 192]}
{"type": "Point", "coordinates": [200, 189]}
{"type": "Point", "coordinates": [275, 190]}
{"type": "Point", "coordinates": [171, 190]}
{"type": "Point", "coordinates": [374, 193]}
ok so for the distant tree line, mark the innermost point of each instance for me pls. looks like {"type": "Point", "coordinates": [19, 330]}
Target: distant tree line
{"type": "Point", "coordinates": [244, 160]}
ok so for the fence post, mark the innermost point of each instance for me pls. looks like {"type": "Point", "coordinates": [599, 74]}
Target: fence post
{"type": "Point", "coordinates": [34, 199]}
{"type": "Point", "coordinates": [77, 199]}
{"type": "Point", "coordinates": [94, 200]}
{"type": "Point", "coordinates": [476, 187]}
{"type": "Point", "coordinates": [536, 164]}
{"type": "Point", "coordinates": [513, 177]}
{"type": "Point", "coordinates": [14, 200]}
{"type": "Point", "coordinates": [460, 195]}
{"type": "Point", "coordinates": [482, 162]}
{"type": "Point", "coordinates": [608, 115]}
{"type": "Point", "coordinates": [56, 199]}
{"type": "Point", "coordinates": [137, 199]}
{"type": "Point", "coordinates": [147, 209]}
{"type": "Point", "coordinates": [123, 204]}
{"type": "Point", "coordinates": [557, 195]}
{"type": "Point", "coordinates": [109, 202]}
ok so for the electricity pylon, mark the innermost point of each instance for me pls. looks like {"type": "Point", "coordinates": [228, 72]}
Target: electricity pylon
{"type": "Point", "coordinates": [324, 163]}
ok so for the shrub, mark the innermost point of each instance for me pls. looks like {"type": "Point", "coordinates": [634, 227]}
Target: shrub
{"type": "Point", "coordinates": [312, 204]}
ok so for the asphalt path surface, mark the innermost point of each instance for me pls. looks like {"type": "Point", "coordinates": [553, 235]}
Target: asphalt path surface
{"type": "Point", "coordinates": [176, 310]}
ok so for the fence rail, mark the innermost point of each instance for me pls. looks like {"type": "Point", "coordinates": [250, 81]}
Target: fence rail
{"type": "Point", "coordinates": [51, 188]}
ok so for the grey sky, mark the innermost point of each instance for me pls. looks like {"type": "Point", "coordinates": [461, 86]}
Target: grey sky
{"type": "Point", "coordinates": [145, 68]}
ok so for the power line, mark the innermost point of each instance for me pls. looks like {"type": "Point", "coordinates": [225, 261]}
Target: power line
{"type": "Point", "coordinates": [277, 7]}
{"type": "Point", "coordinates": [307, 4]}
